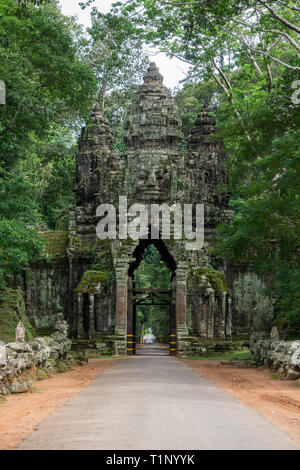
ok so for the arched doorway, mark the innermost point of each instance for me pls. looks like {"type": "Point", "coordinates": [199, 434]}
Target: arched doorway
{"type": "Point", "coordinates": [151, 299]}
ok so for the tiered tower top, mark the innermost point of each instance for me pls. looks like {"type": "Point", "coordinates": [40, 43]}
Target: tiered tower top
{"type": "Point", "coordinates": [153, 121]}
{"type": "Point", "coordinates": [204, 129]}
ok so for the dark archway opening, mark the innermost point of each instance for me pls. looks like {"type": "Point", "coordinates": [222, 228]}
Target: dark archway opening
{"type": "Point", "coordinates": [151, 316]}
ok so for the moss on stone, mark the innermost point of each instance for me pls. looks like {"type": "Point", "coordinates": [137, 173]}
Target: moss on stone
{"type": "Point", "coordinates": [56, 244]}
{"type": "Point", "coordinates": [163, 163]}
{"type": "Point", "coordinates": [212, 277]}
{"type": "Point", "coordinates": [89, 246]}
{"type": "Point", "coordinates": [103, 256]}
{"type": "Point", "coordinates": [91, 279]}
{"type": "Point", "coordinates": [84, 245]}
{"type": "Point", "coordinates": [12, 310]}
{"type": "Point", "coordinates": [103, 243]}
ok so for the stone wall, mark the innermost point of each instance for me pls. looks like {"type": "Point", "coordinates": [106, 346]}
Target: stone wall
{"type": "Point", "coordinates": [251, 308]}
{"type": "Point", "coordinates": [281, 356]}
{"type": "Point", "coordinates": [46, 294]}
{"type": "Point", "coordinates": [46, 286]}
{"type": "Point", "coordinates": [19, 356]}
{"type": "Point", "coordinates": [208, 303]}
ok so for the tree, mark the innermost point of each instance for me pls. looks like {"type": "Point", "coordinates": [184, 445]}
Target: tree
{"type": "Point", "coordinates": [116, 57]}
{"type": "Point", "coordinates": [50, 167]}
{"type": "Point", "coordinates": [20, 244]}
{"type": "Point", "coordinates": [191, 98]}
{"type": "Point", "coordinates": [119, 63]}
{"type": "Point", "coordinates": [45, 79]}
{"type": "Point", "coordinates": [49, 91]}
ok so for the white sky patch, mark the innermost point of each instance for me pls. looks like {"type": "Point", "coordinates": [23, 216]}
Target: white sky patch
{"type": "Point", "coordinates": [173, 70]}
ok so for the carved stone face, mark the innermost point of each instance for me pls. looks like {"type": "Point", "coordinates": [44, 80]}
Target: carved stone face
{"type": "Point", "coordinates": [153, 179]}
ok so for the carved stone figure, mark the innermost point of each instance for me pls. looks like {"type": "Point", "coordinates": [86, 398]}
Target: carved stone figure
{"type": "Point", "coordinates": [274, 335]}
{"type": "Point", "coordinates": [20, 333]}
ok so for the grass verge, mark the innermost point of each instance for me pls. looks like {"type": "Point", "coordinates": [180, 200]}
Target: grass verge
{"type": "Point", "coordinates": [246, 354]}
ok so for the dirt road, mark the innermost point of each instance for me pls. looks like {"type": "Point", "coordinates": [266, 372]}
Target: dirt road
{"type": "Point", "coordinates": [155, 402]}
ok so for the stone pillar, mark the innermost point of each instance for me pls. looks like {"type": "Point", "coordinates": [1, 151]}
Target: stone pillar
{"type": "Point", "coordinates": [134, 327]}
{"type": "Point", "coordinates": [121, 305]}
{"type": "Point", "coordinates": [228, 318]}
{"type": "Point", "coordinates": [183, 343]}
{"type": "Point", "coordinates": [223, 300]}
{"type": "Point", "coordinates": [130, 319]}
{"type": "Point", "coordinates": [181, 280]}
{"type": "Point", "coordinates": [91, 315]}
{"type": "Point", "coordinates": [80, 330]}
{"type": "Point", "coordinates": [100, 324]}
{"type": "Point", "coordinates": [172, 339]}
{"type": "Point", "coordinates": [210, 313]}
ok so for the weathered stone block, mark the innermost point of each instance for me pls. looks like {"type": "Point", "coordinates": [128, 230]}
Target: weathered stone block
{"type": "Point", "coordinates": [18, 347]}
{"type": "Point", "coordinates": [281, 356]}
{"type": "Point", "coordinates": [293, 374]}
{"type": "Point", "coordinates": [3, 358]}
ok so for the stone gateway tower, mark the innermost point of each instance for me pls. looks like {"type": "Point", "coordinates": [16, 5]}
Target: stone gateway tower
{"type": "Point", "coordinates": [92, 281]}
{"type": "Point", "coordinates": [152, 169]}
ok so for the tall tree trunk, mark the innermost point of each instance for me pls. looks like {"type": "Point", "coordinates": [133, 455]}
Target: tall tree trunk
{"type": "Point", "coordinates": [102, 97]}
{"type": "Point", "coordinates": [142, 333]}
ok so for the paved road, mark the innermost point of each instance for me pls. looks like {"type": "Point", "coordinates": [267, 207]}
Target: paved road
{"type": "Point", "coordinates": [154, 349]}
{"type": "Point", "coordinates": [154, 403]}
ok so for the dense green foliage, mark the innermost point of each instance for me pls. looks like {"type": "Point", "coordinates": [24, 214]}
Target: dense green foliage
{"type": "Point", "coordinates": [265, 184]}
{"type": "Point", "coordinates": [13, 310]}
{"type": "Point", "coordinates": [49, 90]}
{"type": "Point", "coordinates": [45, 78]}
{"type": "Point", "coordinates": [191, 98]}
{"type": "Point", "coordinates": [119, 63]}
{"type": "Point", "coordinates": [19, 244]}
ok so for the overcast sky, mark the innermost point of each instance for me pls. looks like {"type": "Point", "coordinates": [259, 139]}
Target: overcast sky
{"type": "Point", "coordinates": [172, 70]}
